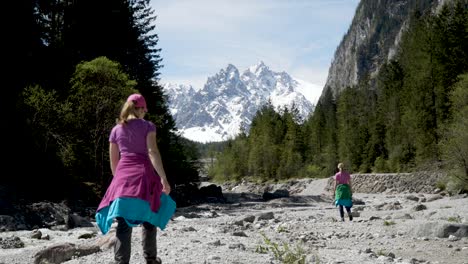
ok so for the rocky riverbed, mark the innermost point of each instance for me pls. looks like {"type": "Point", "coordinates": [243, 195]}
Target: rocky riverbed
{"type": "Point", "coordinates": [392, 225]}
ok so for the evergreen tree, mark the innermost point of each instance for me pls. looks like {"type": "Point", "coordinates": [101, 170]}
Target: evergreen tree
{"type": "Point", "coordinates": [266, 133]}
{"type": "Point", "coordinates": [455, 143]}
{"type": "Point", "coordinates": [320, 135]}
{"type": "Point", "coordinates": [371, 130]}
{"type": "Point", "coordinates": [231, 164]}
{"type": "Point", "coordinates": [389, 114]}
{"type": "Point", "coordinates": [352, 129]}
{"type": "Point", "coordinates": [290, 163]}
{"type": "Point", "coordinates": [419, 118]}
{"type": "Point", "coordinates": [450, 28]}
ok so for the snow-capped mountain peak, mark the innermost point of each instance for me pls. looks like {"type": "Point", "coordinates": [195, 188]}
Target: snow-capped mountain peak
{"type": "Point", "coordinates": [229, 101]}
{"type": "Point", "coordinates": [258, 68]}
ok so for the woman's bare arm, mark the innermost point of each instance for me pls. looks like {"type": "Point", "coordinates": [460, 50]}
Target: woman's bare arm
{"type": "Point", "coordinates": [155, 157]}
{"type": "Point", "coordinates": [334, 187]}
{"type": "Point", "coordinates": [114, 156]}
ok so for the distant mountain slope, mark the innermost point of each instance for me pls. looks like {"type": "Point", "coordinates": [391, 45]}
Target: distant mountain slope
{"type": "Point", "coordinates": [372, 39]}
{"type": "Point", "coordinates": [229, 100]}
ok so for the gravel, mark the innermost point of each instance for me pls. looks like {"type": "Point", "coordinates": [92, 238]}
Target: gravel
{"type": "Point", "coordinates": [387, 228]}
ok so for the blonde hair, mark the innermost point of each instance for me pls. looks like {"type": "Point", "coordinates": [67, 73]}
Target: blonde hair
{"type": "Point", "coordinates": [127, 109]}
{"type": "Point", "coordinates": [340, 165]}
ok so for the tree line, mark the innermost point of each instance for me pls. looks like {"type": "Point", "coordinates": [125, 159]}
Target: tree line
{"type": "Point", "coordinates": [413, 115]}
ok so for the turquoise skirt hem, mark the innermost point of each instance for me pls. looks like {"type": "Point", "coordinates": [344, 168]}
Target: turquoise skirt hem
{"type": "Point", "coordinates": [136, 211]}
{"type": "Point", "coordinates": [344, 202]}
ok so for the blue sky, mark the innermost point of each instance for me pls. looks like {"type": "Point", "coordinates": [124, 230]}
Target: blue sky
{"type": "Point", "coordinates": [200, 37]}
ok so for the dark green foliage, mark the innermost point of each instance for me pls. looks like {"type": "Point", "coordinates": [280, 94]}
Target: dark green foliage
{"type": "Point", "coordinates": [265, 138]}
{"type": "Point", "coordinates": [419, 117]}
{"type": "Point", "coordinates": [43, 127]}
{"type": "Point", "coordinates": [397, 150]}
{"type": "Point", "coordinates": [291, 161]}
{"type": "Point", "coordinates": [98, 89]}
{"type": "Point", "coordinates": [450, 35]}
{"type": "Point", "coordinates": [455, 142]}
{"type": "Point", "coordinates": [320, 133]}
{"type": "Point", "coordinates": [77, 62]}
{"type": "Point", "coordinates": [354, 116]}
{"type": "Point", "coordinates": [76, 130]}
{"type": "Point", "coordinates": [211, 149]}
{"type": "Point", "coordinates": [231, 164]}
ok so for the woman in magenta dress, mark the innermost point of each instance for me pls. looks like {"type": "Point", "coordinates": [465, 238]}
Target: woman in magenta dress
{"type": "Point", "coordinates": [138, 193]}
{"type": "Point", "coordinates": [342, 191]}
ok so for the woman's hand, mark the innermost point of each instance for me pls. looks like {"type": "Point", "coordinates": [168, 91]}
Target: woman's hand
{"type": "Point", "coordinates": [166, 186]}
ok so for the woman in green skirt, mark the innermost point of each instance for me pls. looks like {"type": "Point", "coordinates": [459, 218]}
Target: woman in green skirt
{"type": "Point", "coordinates": [342, 191]}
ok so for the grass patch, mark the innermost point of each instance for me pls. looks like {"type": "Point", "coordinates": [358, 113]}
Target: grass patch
{"type": "Point", "coordinates": [454, 219]}
{"type": "Point", "coordinates": [441, 185]}
{"type": "Point", "coordinates": [381, 252]}
{"type": "Point", "coordinates": [282, 251]}
{"type": "Point", "coordinates": [281, 229]}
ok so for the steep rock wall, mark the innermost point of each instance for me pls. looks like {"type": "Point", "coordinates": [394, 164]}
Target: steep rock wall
{"type": "Point", "coordinates": [371, 40]}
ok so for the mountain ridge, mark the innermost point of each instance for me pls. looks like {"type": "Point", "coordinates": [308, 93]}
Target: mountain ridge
{"type": "Point", "coordinates": [229, 100]}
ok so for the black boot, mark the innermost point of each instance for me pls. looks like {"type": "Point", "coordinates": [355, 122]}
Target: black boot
{"type": "Point", "coordinates": [154, 261]}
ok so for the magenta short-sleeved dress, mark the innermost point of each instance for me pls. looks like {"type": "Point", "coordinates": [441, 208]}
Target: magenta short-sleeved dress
{"type": "Point", "coordinates": [135, 192]}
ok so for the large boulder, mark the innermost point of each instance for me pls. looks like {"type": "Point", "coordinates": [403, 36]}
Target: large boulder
{"type": "Point", "coordinates": [441, 230]}
{"type": "Point", "coordinates": [280, 193]}
{"type": "Point", "coordinates": [60, 253]}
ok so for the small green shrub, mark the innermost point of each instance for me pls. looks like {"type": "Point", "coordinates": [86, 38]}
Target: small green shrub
{"type": "Point", "coordinates": [313, 171]}
{"type": "Point", "coordinates": [283, 252]}
{"type": "Point", "coordinates": [441, 185]}
{"type": "Point", "coordinates": [388, 223]}
{"type": "Point", "coordinates": [380, 165]}
{"type": "Point", "coordinates": [381, 252]}
{"type": "Point", "coordinates": [281, 229]}
{"type": "Point", "coordinates": [455, 219]}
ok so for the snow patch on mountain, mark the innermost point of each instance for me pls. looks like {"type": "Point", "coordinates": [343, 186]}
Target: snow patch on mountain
{"type": "Point", "coordinates": [229, 100]}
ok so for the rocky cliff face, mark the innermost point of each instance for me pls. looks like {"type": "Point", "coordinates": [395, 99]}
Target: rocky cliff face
{"type": "Point", "coordinates": [371, 40]}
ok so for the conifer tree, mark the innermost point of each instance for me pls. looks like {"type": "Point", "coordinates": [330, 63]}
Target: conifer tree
{"type": "Point", "coordinates": [266, 134]}
{"type": "Point", "coordinates": [455, 143]}
{"type": "Point", "coordinates": [389, 111]}
{"type": "Point", "coordinates": [419, 118]}
{"type": "Point", "coordinates": [291, 157]}
{"type": "Point", "coordinates": [320, 136]}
